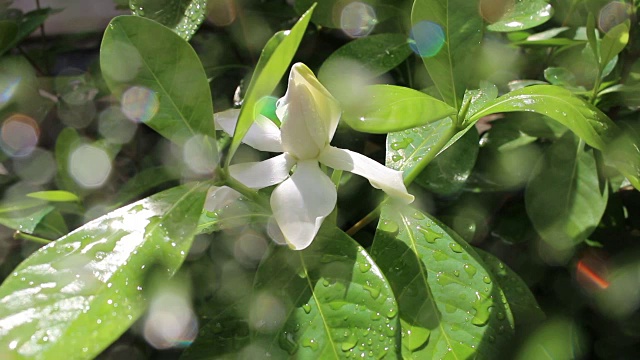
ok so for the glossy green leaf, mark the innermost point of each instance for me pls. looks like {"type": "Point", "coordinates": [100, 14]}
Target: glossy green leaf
{"type": "Point", "coordinates": [273, 63]}
{"type": "Point", "coordinates": [225, 334]}
{"type": "Point", "coordinates": [564, 198]}
{"type": "Point", "coordinates": [8, 32]}
{"type": "Point", "coordinates": [411, 150]}
{"type": "Point", "coordinates": [450, 305]}
{"type": "Point", "coordinates": [613, 42]}
{"type": "Point", "coordinates": [585, 120]}
{"type": "Point", "coordinates": [388, 108]}
{"type": "Point", "coordinates": [476, 99]}
{"type": "Point", "coordinates": [523, 304]}
{"type": "Point", "coordinates": [158, 77]}
{"type": "Point", "coordinates": [52, 226]}
{"type": "Point", "coordinates": [446, 33]}
{"type": "Point", "coordinates": [26, 219]}
{"type": "Point", "coordinates": [183, 16]}
{"type": "Point", "coordinates": [331, 299]}
{"type": "Point", "coordinates": [525, 14]}
{"type": "Point", "coordinates": [75, 296]}
{"type": "Point", "coordinates": [448, 172]}
{"type": "Point", "coordinates": [559, 76]}
{"type": "Point", "coordinates": [378, 54]}
{"type": "Point", "coordinates": [54, 196]}
{"type": "Point", "coordinates": [29, 23]}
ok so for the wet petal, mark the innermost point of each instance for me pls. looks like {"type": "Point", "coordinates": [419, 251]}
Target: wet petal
{"type": "Point", "coordinates": [301, 203]}
{"type": "Point", "coordinates": [380, 176]}
{"type": "Point", "coordinates": [258, 175]}
{"type": "Point", "coordinates": [263, 134]}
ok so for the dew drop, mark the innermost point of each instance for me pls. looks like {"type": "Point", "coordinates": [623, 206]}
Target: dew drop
{"type": "Point", "coordinates": [486, 280]}
{"type": "Point", "coordinates": [306, 308]}
{"type": "Point", "coordinates": [455, 247]}
{"type": "Point", "coordinates": [429, 235]}
{"type": "Point", "coordinates": [396, 158]}
{"type": "Point", "coordinates": [364, 267]}
{"type": "Point", "coordinates": [389, 226]}
{"type": "Point", "coordinates": [470, 269]}
{"type": "Point", "coordinates": [349, 343]}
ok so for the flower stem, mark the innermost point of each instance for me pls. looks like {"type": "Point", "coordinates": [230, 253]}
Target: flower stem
{"type": "Point", "coordinates": [19, 235]}
{"type": "Point", "coordinates": [245, 191]}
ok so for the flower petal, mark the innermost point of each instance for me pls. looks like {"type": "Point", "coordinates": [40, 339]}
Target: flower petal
{"type": "Point", "coordinates": [380, 176]}
{"type": "Point", "coordinates": [258, 175]}
{"type": "Point", "coordinates": [263, 134]}
{"type": "Point", "coordinates": [301, 203]}
{"type": "Point", "coordinates": [309, 114]}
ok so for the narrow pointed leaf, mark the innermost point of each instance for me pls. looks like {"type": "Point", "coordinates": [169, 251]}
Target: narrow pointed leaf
{"type": "Point", "coordinates": [273, 63]}
{"type": "Point", "coordinates": [450, 305]}
{"type": "Point", "coordinates": [158, 77]}
{"type": "Point", "coordinates": [613, 42]}
{"type": "Point", "coordinates": [54, 196]}
{"type": "Point", "coordinates": [389, 108]}
{"type": "Point", "coordinates": [182, 16]}
{"type": "Point", "coordinates": [584, 119]}
{"type": "Point", "coordinates": [525, 14]}
{"type": "Point", "coordinates": [28, 24]}
{"type": "Point", "coordinates": [329, 301]}
{"type": "Point", "coordinates": [75, 296]}
{"type": "Point", "coordinates": [446, 34]}
{"type": "Point", "coordinates": [564, 198]}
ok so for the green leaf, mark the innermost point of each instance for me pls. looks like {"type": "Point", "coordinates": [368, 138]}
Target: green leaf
{"type": "Point", "coordinates": [411, 150]}
{"type": "Point", "coordinates": [448, 172]}
{"type": "Point", "coordinates": [446, 33]}
{"type": "Point", "coordinates": [25, 220]}
{"type": "Point", "coordinates": [376, 53]}
{"type": "Point", "coordinates": [560, 76]}
{"type": "Point", "coordinates": [477, 99]}
{"type": "Point", "coordinates": [54, 195]}
{"type": "Point", "coordinates": [564, 198]}
{"type": "Point", "coordinates": [450, 305]}
{"type": "Point", "coordinates": [584, 119]}
{"type": "Point", "coordinates": [525, 14]}
{"type": "Point", "coordinates": [613, 42]}
{"type": "Point", "coordinates": [8, 32]}
{"type": "Point", "coordinates": [85, 289]}
{"type": "Point", "coordinates": [273, 63]}
{"type": "Point", "coordinates": [522, 303]}
{"type": "Point", "coordinates": [390, 108]}
{"type": "Point", "coordinates": [329, 13]}
{"type": "Point", "coordinates": [182, 16]}
{"type": "Point", "coordinates": [144, 181]}
{"type": "Point", "coordinates": [328, 301]}
{"type": "Point", "coordinates": [624, 152]}
{"type": "Point", "coordinates": [52, 226]}
{"type": "Point", "coordinates": [159, 77]}
{"type": "Point", "coordinates": [29, 23]}
{"type": "Point", "coordinates": [225, 334]}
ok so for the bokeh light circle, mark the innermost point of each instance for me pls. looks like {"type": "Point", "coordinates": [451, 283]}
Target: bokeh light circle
{"type": "Point", "coordinates": [140, 104]}
{"type": "Point", "coordinates": [358, 19]}
{"type": "Point", "coordinates": [114, 126]}
{"type": "Point", "coordinates": [427, 38]}
{"type": "Point", "coordinates": [38, 168]}
{"type": "Point", "coordinates": [19, 134]}
{"type": "Point", "coordinates": [612, 14]}
{"type": "Point", "coordinates": [89, 166]}
{"type": "Point", "coordinates": [200, 154]}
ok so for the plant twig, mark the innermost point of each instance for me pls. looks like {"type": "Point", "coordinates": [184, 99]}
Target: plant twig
{"type": "Point", "coordinates": [19, 235]}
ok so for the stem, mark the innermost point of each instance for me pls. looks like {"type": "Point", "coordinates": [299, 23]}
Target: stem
{"type": "Point", "coordinates": [596, 86]}
{"type": "Point", "coordinates": [19, 235]}
{"type": "Point", "coordinates": [365, 220]}
{"type": "Point", "coordinates": [245, 191]}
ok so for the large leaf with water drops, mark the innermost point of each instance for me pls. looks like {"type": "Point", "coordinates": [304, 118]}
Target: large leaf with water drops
{"type": "Point", "coordinates": [451, 306]}
{"type": "Point", "coordinates": [411, 150]}
{"type": "Point", "coordinates": [158, 77]}
{"type": "Point", "coordinates": [328, 301]}
{"type": "Point", "coordinates": [388, 108]}
{"type": "Point", "coordinates": [521, 15]}
{"type": "Point", "coordinates": [73, 297]}
{"type": "Point", "coordinates": [584, 119]}
{"type": "Point", "coordinates": [273, 63]}
{"type": "Point", "coordinates": [446, 33]}
{"type": "Point", "coordinates": [565, 199]}
{"type": "Point", "coordinates": [182, 16]}
{"type": "Point", "coordinates": [523, 304]}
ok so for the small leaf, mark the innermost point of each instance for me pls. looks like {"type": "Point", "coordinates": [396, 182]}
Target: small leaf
{"type": "Point", "coordinates": [54, 196]}
{"type": "Point", "coordinates": [29, 23]}
{"type": "Point", "coordinates": [442, 287]}
{"type": "Point", "coordinates": [169, 93]}
{"type": "Point", "coordinates": [86, 288]}
{"type": "Point", "coordinates": [8, 32]}
{"type": "Point", "coordinates": [613, 42]}
{"type": "Point", "coordinates": [390, 108]}
{"type": "Point", "coordinates": [564, 198]}
{"type": "Point", "coordinates": [24, 220]}
{"type": "Point", "coordinates": [182, 16]}
{"type": "Point", "coordinates": [376, 53]}
{"type": "Point", "coordinates": [327, 301]}
{"type": "Point", "coordinates": [585, 120]}
{"type": "Point", "coordinates": [477, 99]}
{"type": "Point", "coordinates": [525, 14]}
{"type": "Point", "coordinates": [273, 63]}
{"type": "Point", "coordinates": [624, 152]}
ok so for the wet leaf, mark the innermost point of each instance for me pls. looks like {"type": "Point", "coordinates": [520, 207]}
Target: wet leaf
{"type": "Point", "coordinates": [169, 93]}
{"type": "Point", "coordinates": [446, 34]}
{"type": "Point", "coordinates": [564, 198]}
{"type": "Point", "coordinates": [388, 108]}
{"type": "Point", "coordinates": [273, 63]}
{"type": "Point", "coordinates": [182, 16]}
{"type": "Point", "coordinates": [78, 294]}
{"type": "Point", "coordinates": [442, 287]}
{"type": "Point", "coordinates": [525, 14]}
{"type": "Point", "coordinates": [326, 301]}
{"type": "Point", "coordinates": [584, 119]}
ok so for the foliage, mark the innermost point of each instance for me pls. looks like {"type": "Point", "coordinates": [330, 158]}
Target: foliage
{"type": "Point", "coordinates": [514, 123]}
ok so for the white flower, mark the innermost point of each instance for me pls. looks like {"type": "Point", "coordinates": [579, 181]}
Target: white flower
{"type": "Point", "coordinates": [309, 117]}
